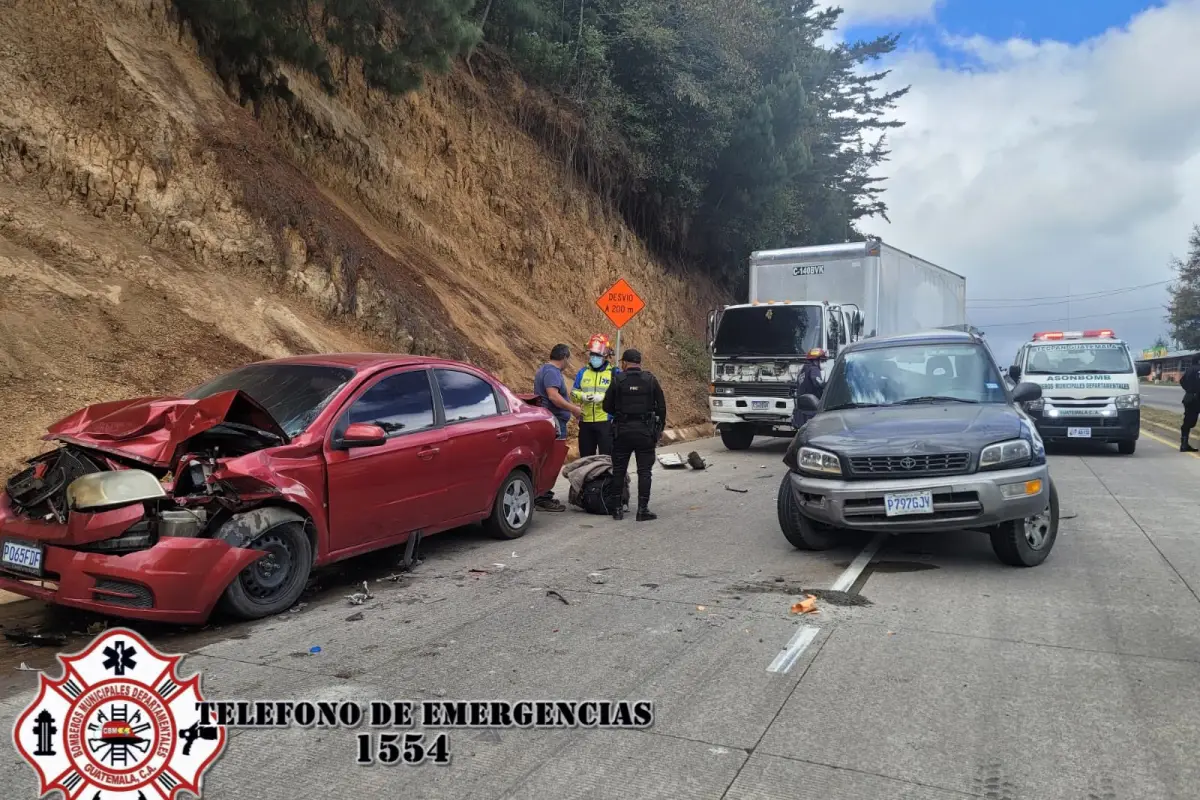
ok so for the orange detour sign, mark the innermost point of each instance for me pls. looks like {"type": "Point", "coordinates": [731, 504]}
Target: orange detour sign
{"type": "Point", "coordinates": [620, 303]}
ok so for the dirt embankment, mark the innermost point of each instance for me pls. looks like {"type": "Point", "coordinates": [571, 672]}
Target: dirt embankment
{"type": "Point", "coordinates": [152, 232]}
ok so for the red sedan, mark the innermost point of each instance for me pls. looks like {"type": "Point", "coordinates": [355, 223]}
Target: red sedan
{"type": "Point", "coordinates": [159, 508]}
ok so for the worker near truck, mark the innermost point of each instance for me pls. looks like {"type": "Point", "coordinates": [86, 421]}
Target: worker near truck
{"type": "Point", "coordinates": [591, 384]}
{"type": "Point", "coordinates": [639, 409]}
{"type": "Point", "coordinates": [1190, 383]}
{"type": "Point", "coordinates": [809, 381]}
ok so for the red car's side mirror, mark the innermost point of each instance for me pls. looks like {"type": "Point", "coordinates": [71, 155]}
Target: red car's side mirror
{"type": "Point", "coordinates": [362, 434]}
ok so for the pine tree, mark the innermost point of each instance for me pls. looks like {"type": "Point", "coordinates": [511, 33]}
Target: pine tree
{"type": "Point", "coordinates": [1183, 311]}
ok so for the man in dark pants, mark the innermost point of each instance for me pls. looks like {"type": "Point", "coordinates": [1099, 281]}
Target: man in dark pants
{"type": "Point", "coordinates": [1190, 383]}
{"type": "Point", "coordinates": [639, 410]}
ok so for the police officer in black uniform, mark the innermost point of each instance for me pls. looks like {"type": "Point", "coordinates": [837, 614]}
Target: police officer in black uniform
{"type": "Point", "coordinates": [639, 410]}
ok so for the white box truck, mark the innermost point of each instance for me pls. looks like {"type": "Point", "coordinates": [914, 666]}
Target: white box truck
{"type": "Point", "coordinates": [815, 298]}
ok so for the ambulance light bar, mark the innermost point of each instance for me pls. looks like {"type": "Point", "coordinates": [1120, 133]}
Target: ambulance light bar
{"type": "Point", "coordinates": [1048, 336]}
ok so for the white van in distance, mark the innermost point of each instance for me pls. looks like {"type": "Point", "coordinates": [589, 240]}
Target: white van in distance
{"type": "Point", "coordinates": [1089, 383]}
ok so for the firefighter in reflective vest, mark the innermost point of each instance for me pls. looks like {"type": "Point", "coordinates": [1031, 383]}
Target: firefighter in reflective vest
{"type": "Point", "coordinates": [591, 382]}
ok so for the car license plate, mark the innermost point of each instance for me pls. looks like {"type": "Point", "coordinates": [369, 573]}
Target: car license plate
{"type": "Point", "coordinates": [759, 404]}
{"type": "Point", "coordinates": [1079, 433]}
{"type": "Point", "coordinates": [902, 504]}
{"type": "Point", "coordinates": [22, 557]}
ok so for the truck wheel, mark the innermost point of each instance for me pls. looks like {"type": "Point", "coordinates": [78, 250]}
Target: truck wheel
{"type": "Point", "coordinates": [798, 529]}
{"type": "Point", "coordinates": [274, 582]}
{"type": "Point", "coordinates": [1027, 542]}
{"type": "Point", "coordinates": [739, 437]}
{"type": "Point", "coordinates": [1127, 448]}
{"type": "Point", "coordinates": [513, 509]}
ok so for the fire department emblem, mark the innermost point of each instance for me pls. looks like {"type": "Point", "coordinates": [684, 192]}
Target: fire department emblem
{"type": "Point", "coordinates": [120, 724]}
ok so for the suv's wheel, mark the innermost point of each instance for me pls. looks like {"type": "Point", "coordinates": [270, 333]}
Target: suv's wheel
{"type": "Point", "coordinates": [739, 437]}
{"type": "Point", "coordinates": [513, 510]}
{"type": "Point", "coordinates": [798, 529]}
{"type": "Point", "coordinates": [276, 581]}
{"type": "Point", "coordinates": [1027, 542]}
{"type": "Point", "coordinates": [1127, 448]}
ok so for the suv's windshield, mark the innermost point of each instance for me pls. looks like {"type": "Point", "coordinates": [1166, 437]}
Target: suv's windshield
{"type": "Point", "coordinates": [294, 394]}
{"type": "Point", "coordinates": [910, 374]}
{"type": "Point", "coordinates": [1077, 358]}
{"type": "Point", "coordinates": [768, 331]}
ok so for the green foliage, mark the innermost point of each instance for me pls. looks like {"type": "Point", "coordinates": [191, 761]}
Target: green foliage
{"type": "Point", "coordinates": [394, 42]}
{"type": "Point", "coordinates": [692, 354]}
{"type": "Point", "coordinates": [1183, 311]}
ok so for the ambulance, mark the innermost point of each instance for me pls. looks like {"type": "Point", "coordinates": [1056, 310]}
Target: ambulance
{"type": "Point", "coordinates": [1090, 387]}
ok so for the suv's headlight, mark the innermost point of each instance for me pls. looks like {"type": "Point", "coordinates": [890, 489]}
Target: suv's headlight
{"type": "Point", "coordinates": [814, 460]}
{"type": "Point", "coordinates": [1034, 405]}
{"type": "Point", "coordinates": [1003, 454]}
{"type": "Point", "coordinates": [1129, 401]}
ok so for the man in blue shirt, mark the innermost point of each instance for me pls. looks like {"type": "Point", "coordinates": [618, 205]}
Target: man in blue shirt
{"type": "Point", "coordinates": [551, 387]}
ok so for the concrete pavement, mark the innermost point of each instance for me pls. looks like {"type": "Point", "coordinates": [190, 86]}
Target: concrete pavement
{"type": "Point", "coordinates": [941, 674]}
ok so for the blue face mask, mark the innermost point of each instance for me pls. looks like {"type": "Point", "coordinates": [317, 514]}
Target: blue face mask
{"type": "Point", "coordinates": [596, 361]}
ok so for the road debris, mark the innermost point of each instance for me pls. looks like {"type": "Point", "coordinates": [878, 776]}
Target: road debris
{"type": "Point", "coordinates": [97, 627]}
{"type": "Point", "coordinates": [355, 617]}
{"type": "Point", "coordinates": [23, 667]}
{"type": "Point", "coordinates": [358, 598]}
{"type": "Point", "coordinates": [596, 577]}
{"type": "Point", "coordinates": [696, 461]}
{"type": "Point", "coordinates": [806, 606]}
{"type": "Point", "coordinates": [297, 608]}
{"type": "Point", "coordinates": [552, 593]}
{"type": "Point", "coordinates": [701, 608]}
{"type": "Point", "coordinates": [314, 650]}
{"type": "Point", "coordinates": [729, 488]}
{"type": "Point", "coordinates": [671, 460]}
{"type": "Point", "coordinates": [30, 639]}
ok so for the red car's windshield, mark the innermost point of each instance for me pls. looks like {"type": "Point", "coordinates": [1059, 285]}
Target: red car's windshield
{"type": "Point", "coordinates": [294, 394]}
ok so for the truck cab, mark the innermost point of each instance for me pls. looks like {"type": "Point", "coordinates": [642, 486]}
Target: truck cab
{"type": "Point", "coordinates": [757, 352]}
{"type": "Point", "coordinates": [1090, 387]}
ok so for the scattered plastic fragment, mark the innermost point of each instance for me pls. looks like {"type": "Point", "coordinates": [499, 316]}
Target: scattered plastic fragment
{"type": "Point", "coordinates": [701, 608]}
{"type": "Point", "coordinates": [552, 593]}
{"type": "Point", "coordinates": [671, 460]}
{"type": "Point", "coordinates": [739, 491]}
{"type": "Point", "coordinates": [314, 650]}
{"type": "Point", "coordinates": [23, 667]}
{"type": "Point", "coordinates": [596, 577]}
{"type": "Point", "coordinates": [296, 608]}
{"type": "Point", "coordinates": [358, 598]}
{"type": "Point", "coordinates": [355, 617]}
{"type": "Point", "coordinates": [696, 461]}
{"type": "Point", "coordinates": [96, 627]}
{"type": "Point", "coordinates": [806, 606]}
{"type": "Point", "coordinates": [36, 639]}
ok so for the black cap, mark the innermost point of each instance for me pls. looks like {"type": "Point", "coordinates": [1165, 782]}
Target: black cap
{"type": "Point", "coordinates": [631, 356]}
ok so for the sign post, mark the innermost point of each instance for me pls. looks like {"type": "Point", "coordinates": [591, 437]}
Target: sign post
{"type": "Point", "coordinates": [620, 303]}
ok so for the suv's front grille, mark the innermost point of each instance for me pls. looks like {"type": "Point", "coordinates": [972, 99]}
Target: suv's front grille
{"type": "Point", "coordinates": [914, 466]}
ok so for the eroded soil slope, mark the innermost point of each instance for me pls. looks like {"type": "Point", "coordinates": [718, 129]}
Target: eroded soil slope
{"type": "Point", "coordinates": [153, 232]}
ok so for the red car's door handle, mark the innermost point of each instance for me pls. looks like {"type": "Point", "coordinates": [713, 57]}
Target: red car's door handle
{"type": "Point", "coordinates": [504, 436]}
{"type": "Point", "coordinates": [428, 453]}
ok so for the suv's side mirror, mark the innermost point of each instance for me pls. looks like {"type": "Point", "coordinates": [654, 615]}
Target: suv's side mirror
{"type": "Point", "coordinates": [807, 403]}
{"type": "Point", "coordinates": [1143, 369]}
{"type": "Point", "coordinates": [361, 434]}
{"type": "Point", "coordinates": [1014, 372]}
{"type": "Point", "coordinates": [1027, 392]}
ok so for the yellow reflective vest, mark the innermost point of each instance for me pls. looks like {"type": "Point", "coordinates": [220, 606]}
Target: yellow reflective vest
{"type": "Point", "coordinates": [590, 386]}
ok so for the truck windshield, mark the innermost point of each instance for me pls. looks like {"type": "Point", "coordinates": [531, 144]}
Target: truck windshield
{"type": "Point", "coordinates": [768, 331]}
{"type": "Point", "coordinates": [1078, 358]}
{"type": "Point", "coordinates": [912, 374]}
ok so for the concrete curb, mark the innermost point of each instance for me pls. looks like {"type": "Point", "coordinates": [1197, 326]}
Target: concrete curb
{"type": "Point", "coordinates": [10, 597]}
{"type": "Point", "coordinates": [689, 434]}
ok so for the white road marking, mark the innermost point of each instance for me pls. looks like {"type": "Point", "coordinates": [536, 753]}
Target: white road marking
{"type": "Point", "coordinates": [787, 658]}
{"type": "Point", "coordinates": [847, 578]}
{"type": "Point", "coordinates": [795, 648]}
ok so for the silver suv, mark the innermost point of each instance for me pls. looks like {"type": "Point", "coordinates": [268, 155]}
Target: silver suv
{"type": "Point", "coordinates": [920, 433]}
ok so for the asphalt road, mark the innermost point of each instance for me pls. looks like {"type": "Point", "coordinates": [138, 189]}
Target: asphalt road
{"type": "Point", "coordinates": [940, 674]}
{"type": "Point", "coordinates": [1164, 395]}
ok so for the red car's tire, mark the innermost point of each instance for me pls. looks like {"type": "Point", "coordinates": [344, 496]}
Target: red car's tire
{"type": "Point", "coordinates": [261, 590]}
{"type": "Point", "coordinates": [513, 510]}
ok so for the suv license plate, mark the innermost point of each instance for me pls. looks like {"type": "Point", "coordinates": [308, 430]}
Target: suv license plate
{"type": "Point", "coordinates": [22, 557]}
{"type": "Point", "coordinates": [1079, 433]}
{"type": "Point", "coordinates": [903, 504]}
{"type": "Point", "coordinates": [759, 404]}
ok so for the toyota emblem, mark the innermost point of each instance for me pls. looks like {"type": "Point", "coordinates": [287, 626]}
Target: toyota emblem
{"type": "Point", "coordinates": [908, 463]}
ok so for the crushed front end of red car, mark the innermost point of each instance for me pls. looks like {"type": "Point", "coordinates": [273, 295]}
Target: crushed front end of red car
{"type": "Point", "coordinates": [126, 516]}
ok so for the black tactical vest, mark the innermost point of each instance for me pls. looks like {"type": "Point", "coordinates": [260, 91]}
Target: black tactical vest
{"type": "Point", "coordinates": [635, 394]}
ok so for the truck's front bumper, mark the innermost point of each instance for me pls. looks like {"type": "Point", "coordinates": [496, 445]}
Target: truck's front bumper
{"type": "Point", "coordinates": [1124, 427]}
{"type": "Point", "coordinates": [960, 502]}
{"type": "Point", "coordinates": [768, 415]}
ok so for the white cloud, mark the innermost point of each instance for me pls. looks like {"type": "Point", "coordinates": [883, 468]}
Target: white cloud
{"type": "Point", "coordinates": [1044, 169]}
{"type": "Point", "coordinates": [857, 12]}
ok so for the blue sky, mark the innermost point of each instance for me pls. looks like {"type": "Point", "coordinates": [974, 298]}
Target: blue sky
{"type": "Point", "coordinates": [1050, 152]}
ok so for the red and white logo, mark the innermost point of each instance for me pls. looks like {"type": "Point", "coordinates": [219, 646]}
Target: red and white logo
{"type": "Point", "coordinates": [120, 724]}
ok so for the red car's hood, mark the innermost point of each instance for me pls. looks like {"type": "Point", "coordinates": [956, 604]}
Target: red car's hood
{"type": "Point", "coordinates": [150, 429]}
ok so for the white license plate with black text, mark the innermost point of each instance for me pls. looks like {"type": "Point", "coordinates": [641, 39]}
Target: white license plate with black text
{"type": "Point", "coordinates": [1079, 433]}
{"type": "Point", "coordinates": [22, 557]}
{"type": "Point", "coordinates": [901, 504]}
{"type": "Point", "coordinates": [759, 404]}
